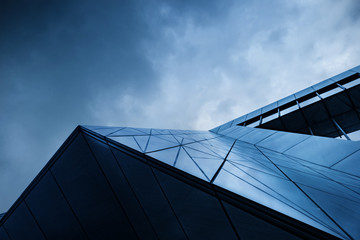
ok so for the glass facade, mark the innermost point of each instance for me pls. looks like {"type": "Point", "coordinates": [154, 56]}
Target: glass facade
{"type": "Point", "coordinates": [237, 181]}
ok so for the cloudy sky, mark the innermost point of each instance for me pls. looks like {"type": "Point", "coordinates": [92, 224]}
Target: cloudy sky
{"type": "Point", "coordinates": [153, 63]}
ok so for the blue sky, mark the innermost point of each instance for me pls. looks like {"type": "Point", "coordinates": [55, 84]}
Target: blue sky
{"type": "Point", "coordinates": [163, 64]}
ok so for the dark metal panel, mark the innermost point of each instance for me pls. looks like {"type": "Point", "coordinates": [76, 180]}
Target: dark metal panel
{"type": "Point", "coordinates": [200, 213]}
{"type": "Point", "coordinates": [52, 212]}
{"type": "Point", "coordinates": [338, 104]}
{"type": "Point", "coordinates": [3, 234]}
{"type": "Point", "coordinates": [21, 225]}
{"type": "Point", "coordinates": [315, 113]}
{"type": "Point", "coordinates": [151, 197]}
{"type": "Point", "coordinates": [250, 227]}
{"type": "Point", "coordinates": [294, 121]}
{"type": "Point", "coordinates": [89, 193]}
{"type": "Point", "coordinates": [122, 188]}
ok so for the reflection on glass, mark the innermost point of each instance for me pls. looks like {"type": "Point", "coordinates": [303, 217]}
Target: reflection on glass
{"type": "Point", "coordinates": [331, 92]}
{"type": "Point", "coordinates": [309, 101]}
{"type": "Point", "coordinates": [352, 83]}
{"type": "Point", "coordinates": [289, 110]}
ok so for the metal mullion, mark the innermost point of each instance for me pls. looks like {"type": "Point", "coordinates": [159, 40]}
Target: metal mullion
{"type": "Point", "coordinates": [339, 127]}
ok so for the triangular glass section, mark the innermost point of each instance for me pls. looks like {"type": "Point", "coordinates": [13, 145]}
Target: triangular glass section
{"type": "Point", "coordinates": [200, 154]}
{"type": "Point", "coordinates": [208, 165]}
{"type": "Point", "coordinates": [160, 131]}
{"type": "Point", "coordinates": [143, 130]}
{"type": "Point", "coordinates": [156, 144]}
{"type": "Point", "coordinates": [185, 138]}
{"type": "Point", "coordinates": [127, 132]}
{"type": "Point", "coordinates": [276, 193]}
{"type": "Point", "coordinates": [128, 141]}
{"type": "Point", "coordinates": [178, 138]}
{"type": "Point", "coordinates": [185, 163]}
{"type": "Point", "coordinates": [169, 138]}
{"type": "Point", "coordinates": [142, 141]}
{"type": "Point", "coordinates": [107, 131]}
{"type": "Point", "coordinates": [167, 156]}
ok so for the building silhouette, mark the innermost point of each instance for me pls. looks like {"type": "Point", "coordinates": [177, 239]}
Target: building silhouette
{"type": "Point", "coordinates": [286, 171]}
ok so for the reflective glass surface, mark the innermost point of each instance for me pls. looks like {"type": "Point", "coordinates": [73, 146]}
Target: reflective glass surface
{"type": "Point", "coordinates": [342, 75]}
{"type": "Point", "coordinates": [323, 84]}
{"type": "Point", "coordinates": [304, 92]}
{"type": "Point", "coordinates": [309, 101]}
{"type": "Point", "coordinates": [289, 110]}
{"type": "Point", "coordinates": [356, 69]}
{"type": "Point", "coordinates": [352, 83]}
{"type": "Point", "coordinates": [323, 151]}
{"type": "Point", "coordinates": [285, 100]}
{"type": "Point", "coordinates": [269, 107]}
{"type": "Point", "coordinates": [302, 176]}
{"type": "Point", "coordinates": [331, 92]}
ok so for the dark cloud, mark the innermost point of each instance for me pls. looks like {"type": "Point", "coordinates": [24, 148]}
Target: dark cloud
{"type": "Point", "coordinates": [156, 63]}
{"type": "Point", "coordinates": [55, 58]}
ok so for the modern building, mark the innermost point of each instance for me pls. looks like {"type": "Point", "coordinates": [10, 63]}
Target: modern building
{"type": "Point", "coordinates": [286, 171]}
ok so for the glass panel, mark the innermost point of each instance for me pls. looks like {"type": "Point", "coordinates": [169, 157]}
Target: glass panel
{"type": "Point", "coordinates": [159, 131]}
{"type": "Point", "coordinates": [208, 165]}
{"type": "Point", "coordinates": [200, 151]}
{"type": "Point", "coordinates": [269, 118]}
{"type": "Point", "coordinates": [91, 127]}
{"type": "Point", "coordinates": [167, 156]}
{"type": "Point", "coordinates": [257, 135]}
{"type": "Point", "coordinates": [225, 126]}
{"type": "Point", "coordinates": [323, 84]}
{"type": "Point", "coordinates": [107, 131]}
{"type": "Point", "coordinates": [156, 143]}
{"type": "Point", "coordinates": [127, 141]}
{"type": "Point", "coordinates": [309, 101]}
{"type": "Point", "coordinates": [348, 164]}
{"type": "Point", "coordinates": [331, 92]}
{"type": "Point", "coordinates": [352, 83]}
{"type": "Point", "coordinates": [143, 130]}
{"type": "Point", "coordinates": [240, 131]}
{"type": "Point", "coordinates": [253, 114]}
{"type": "Point", "coordinates": [254, 124]}
{"type": "Point", "coordinates": [215, 130]}
{"type": "Point", "coordinates": [185, 163]}
{"type": "Point", "coordinates": [183, 139]}
{"type": "Point", "coordinates": [127, 132]}
{"type": "Point", "coordinates": [248, 155]}
{"type": "Point", "coordinates": [276, 193]}
{"type": "Point", "coordinates": [219, 146]}
{"type": "Point", "coordinates": [354, 136]}
{"type": "Point", "coordinates": [239, 120]}
{"type": "Point", "coordinates": [289, 110]}
{"type": "Point", "coordinates": [269, 107]}
{"type": "Point", "coordinates": [342, 75]}
{"type": "Point", "coordinates": [339, 208]}
{"type": "Point", "coordinates": [304, 92]}
{"type": "Point", "coordinates": [142, 141]}
{"type": "Point", "coordinates": [281, 141]}
{"type": "Point", "coordinates": [323, 151]}
{"type": "Point", "coordinates": [168, 138]}
{"type": "Point", "coordinates": [356, 69]}
{"type": "Point", "coordinates": [286, 100]}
